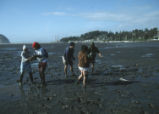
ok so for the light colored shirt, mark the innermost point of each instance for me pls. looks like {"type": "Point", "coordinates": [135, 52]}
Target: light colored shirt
{"type": "Point", "coordinates": [41, 52]}
{"type": "Point", "coordinates": [25, 55]}
{"type": "Point", "coordinates": [25, 64]}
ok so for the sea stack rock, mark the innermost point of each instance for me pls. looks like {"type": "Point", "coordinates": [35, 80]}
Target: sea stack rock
{"type": "Point", "coordinates": [3, 39]}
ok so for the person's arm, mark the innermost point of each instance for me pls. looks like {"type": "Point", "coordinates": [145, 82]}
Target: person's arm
{"type": "Point", "coordinates": [32, 58]}
{"type": "Point", "coordinates": [65, 54]}
{"type": "Point", "coordinates": [99, 53]}
{"type": "Point", "coordinates": [73, 54]}
{"type": "Point", "coordinates": [78, 56]}
{"type": "Point", "coordinates": [25, 59]}
{"type": "Point", "coordinates": [35, 56]}
{"type": "Point", "coordinates": [39, 54]}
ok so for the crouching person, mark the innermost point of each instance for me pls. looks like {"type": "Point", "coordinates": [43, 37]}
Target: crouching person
{"type": "Point", "coordinates": [25, 65]}
{"type": "Point", "coordinates": [41, 55]}
{"type": "Point", "coordinates": [83, 64]}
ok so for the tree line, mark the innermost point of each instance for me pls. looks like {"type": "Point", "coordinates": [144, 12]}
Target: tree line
{"type": "Point", "coordinates": [134, 35]}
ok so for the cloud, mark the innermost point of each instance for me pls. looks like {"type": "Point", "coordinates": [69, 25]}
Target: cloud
{"type": "Point", "coordinates": [56, 13]}
{"type": "Point", "coordinates": [105, 16]}
{"type": "Point", "coordinates": [120, 20]}
{"type": "Point", "coordinates": [145, 19]}
{"type": "Point", "coordinates": [121, 17]}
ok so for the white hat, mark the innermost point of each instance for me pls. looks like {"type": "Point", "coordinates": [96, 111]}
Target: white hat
{"type": "Point", "coordinates": [24, 47]}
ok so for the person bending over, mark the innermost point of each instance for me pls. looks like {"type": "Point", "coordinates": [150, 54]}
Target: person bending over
{"type": "Point", "coordinates": [69, 57]}
{"type": "Point", "coordinates": [41, 55]}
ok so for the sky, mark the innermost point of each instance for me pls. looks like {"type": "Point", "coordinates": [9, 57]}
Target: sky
{"type": "Point", "coordinates": [25, 21]}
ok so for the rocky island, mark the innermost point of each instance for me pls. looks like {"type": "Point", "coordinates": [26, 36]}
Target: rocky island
{"type": "Point", "coordinates": [3, 39]}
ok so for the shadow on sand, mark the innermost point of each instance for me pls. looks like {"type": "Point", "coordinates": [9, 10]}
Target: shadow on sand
{"type": "Point", "coordinates": [60, 81]}
{"type": "Point", "coordinates": [67, 81]}
{"type": "Point", "coordinates": [91, 82]}
{"type": "Point", "coordinates": [112, 83]}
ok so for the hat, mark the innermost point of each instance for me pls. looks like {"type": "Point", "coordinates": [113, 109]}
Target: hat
{"type": "Point", "coordinates": [24, 47]}
{"type": "Point", "coordinates": [35, 45]}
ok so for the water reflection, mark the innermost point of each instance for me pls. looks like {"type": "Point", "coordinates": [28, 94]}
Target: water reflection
{"type": "Point", "coordinates": [32, 92]}
{"type": "Point", "coordinates": [148, 55]}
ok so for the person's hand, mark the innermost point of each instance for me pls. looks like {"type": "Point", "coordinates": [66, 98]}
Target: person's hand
{"type": "Point", "coordinates": [29, 59]}
{"type": "Point", "coordinates": [100, 55]}
{"type": "Point", "coordinates": [32, 58]}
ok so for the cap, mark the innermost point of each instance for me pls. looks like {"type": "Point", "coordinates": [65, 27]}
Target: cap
{"type": "Point", "coordinates": [35, 45]}
{"type": "Point", "coordinates": [24, 47]}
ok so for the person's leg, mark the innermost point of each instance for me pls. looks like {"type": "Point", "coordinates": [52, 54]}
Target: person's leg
{"type": "Point", "coordinates": [22, 69]}
{"type": "Point", "coordinates": [42, 76]}
{"type": "Point", "coordinates": [84, 78]}
{"type": "Point", "coordinates": [21, 79]}
{"type": "Point", "coordinates": [65, 69]}
{"type": "Point", "coordinates": [71, 69]}
{"type": "Point", "coordinates": [80, 76]}
{"type": "Point", "coordinates": [42, 72]}
{"type": "Point", "coordinates": [92, 67]}
{"type": "Point", "coordinates": [31, 77]}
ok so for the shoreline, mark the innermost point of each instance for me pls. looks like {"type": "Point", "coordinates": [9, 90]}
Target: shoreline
{"type": "Point", "coordinates": [82, 42]}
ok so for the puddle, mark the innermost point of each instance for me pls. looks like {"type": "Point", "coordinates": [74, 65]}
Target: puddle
{"type": "Point", "coordinates": [51, 53]}
{"type": "Point", "coordinates": [98, 61]}
{"type": "Point", "coordinates": [107, 48]}
{"type": "Point", "coordinates": [19, 53]}
{"type": "Point", "coordinates": [112, 54]}
{"type": "Point", "coordinates": [148, 55]}
{"type": "Point", "coordinates": [9, 49]}
{"type": "Point", "coordinates": [34, 65]}
{"type": "Point", "coordinates": [120, 67]}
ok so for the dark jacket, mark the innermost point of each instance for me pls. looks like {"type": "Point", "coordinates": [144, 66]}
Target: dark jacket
{"type": "Point", "coordinates": [68, 54]}
{"type": "Point", "coordinates": [93, 51]}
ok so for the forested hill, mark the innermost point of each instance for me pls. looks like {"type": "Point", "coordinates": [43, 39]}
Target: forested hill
{"type": "Point", "coordinates": [135, 35]}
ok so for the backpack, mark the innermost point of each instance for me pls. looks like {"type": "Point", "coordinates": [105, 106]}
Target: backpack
{"type": "Point", "coordinates": [46, 53]}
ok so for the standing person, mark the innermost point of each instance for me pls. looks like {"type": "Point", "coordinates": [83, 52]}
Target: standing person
{"type": "Point", "coordinates": [69, 57]}
{"type": "Point", "coordinates": [93, 50]}
{"type": "Point", "coordinates": [25, 65]}
{"type": "Point", "coordinates": [41, 55]}
{"type": "Point", "coordinates": [83, 64]}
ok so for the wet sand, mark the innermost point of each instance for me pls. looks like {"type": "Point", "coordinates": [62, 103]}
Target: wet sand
{"type": "Point", "coordinates": [104, 94]}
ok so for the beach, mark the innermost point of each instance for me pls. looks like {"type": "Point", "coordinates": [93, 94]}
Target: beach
{"type": "Point", "coordinates": [106, 91]}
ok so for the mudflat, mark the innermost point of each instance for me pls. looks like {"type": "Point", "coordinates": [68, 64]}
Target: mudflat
{"type": "Point", "coordinates": [125, 81]}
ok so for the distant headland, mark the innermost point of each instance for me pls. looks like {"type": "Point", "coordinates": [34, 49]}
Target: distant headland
{"type": "Point", "coordinates": [105, 36]}
{"type": "Point", "coordinates": [3, 39]}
